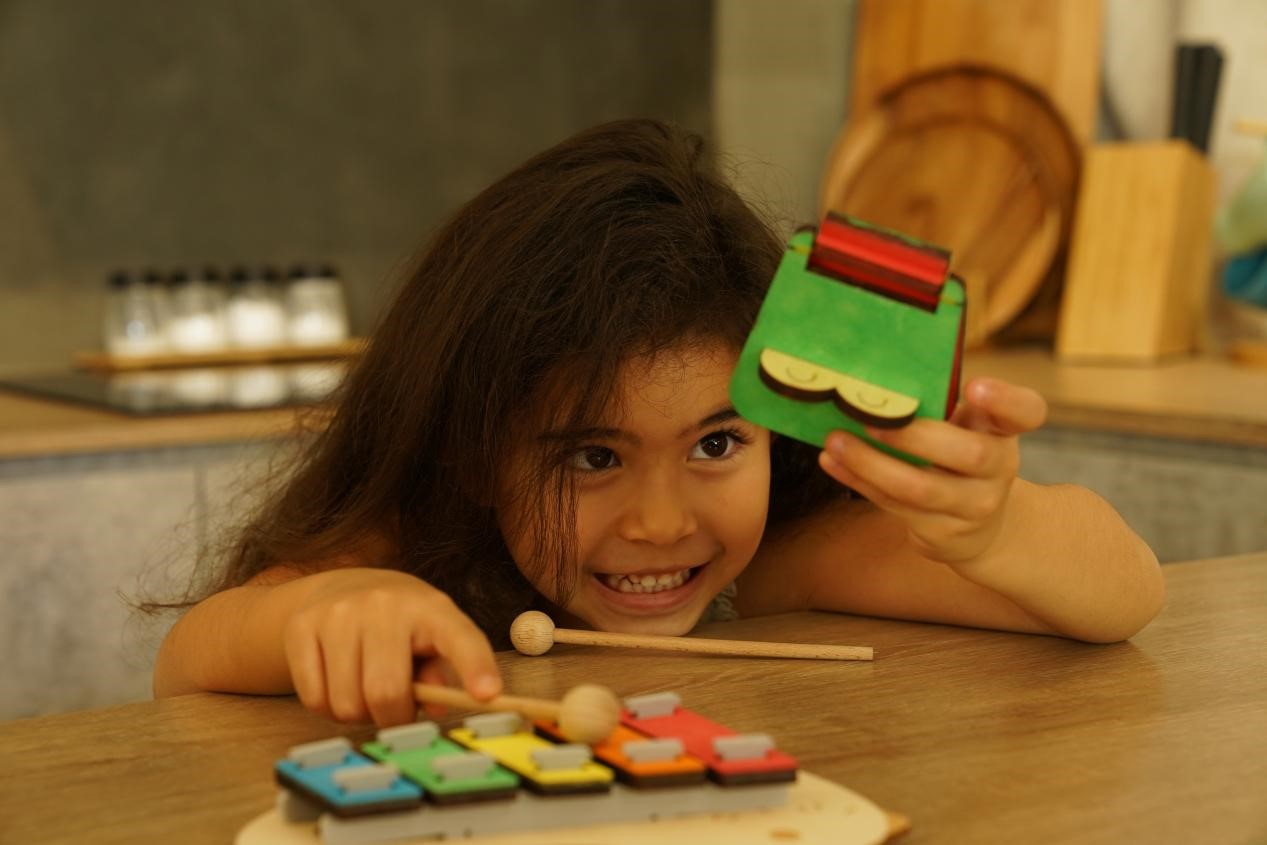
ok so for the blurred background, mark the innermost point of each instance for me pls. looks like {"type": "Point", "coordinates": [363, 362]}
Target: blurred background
{"type": "Point", "coordinates": [1094, 176]}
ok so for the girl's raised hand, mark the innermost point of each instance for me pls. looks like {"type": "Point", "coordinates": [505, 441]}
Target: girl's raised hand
{"type": "Point", "coordinates": [352, 646]}
{"type": "Point", "coordinates": [954, 509]}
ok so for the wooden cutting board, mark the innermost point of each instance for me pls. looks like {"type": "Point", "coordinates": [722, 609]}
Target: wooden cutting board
{"type": "Point", "coordinates": [1052, 44]}
{"type": "Point", "coordinates": [971, 159]}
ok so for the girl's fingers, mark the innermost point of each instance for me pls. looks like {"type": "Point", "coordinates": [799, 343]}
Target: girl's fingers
{"type": "Point", "coordinates": [897, 481]}
{"type": "Point", "coordinates": [352, 656]}
{"type": "Point", "coordinates": [307, 672]}
{"type": "Point", "coordinates": [467, 650]}
{"type": "Point", "coordinates": [999, 407]}
{"type": "Point", "coordinates": [386, 672]}
{"type": "Point", "coordinates": [341, 648]}
{"type": "Point", "coordinates": [937, 535]}
{"type": "Point", "coordinates": [905, 490]}
{"type": "Point", "coordinates": [949, 447]}
{"type": "Point", "coordinates": [863, 488]}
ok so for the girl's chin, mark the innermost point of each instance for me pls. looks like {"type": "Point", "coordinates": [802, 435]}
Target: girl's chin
{"type": "Point", "coordinates": [675, 625]}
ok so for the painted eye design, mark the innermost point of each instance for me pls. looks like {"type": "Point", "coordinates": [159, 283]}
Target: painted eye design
{"type": "Point", "coordinates": [806, 381]}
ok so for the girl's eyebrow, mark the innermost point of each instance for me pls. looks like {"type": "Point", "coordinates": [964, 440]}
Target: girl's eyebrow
{"type": "Point", "coordinates": [724, 414]}
{"type": "Point", "coordinates": [576, 435]}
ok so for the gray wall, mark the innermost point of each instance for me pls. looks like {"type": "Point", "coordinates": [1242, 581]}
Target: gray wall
{"type": "Point", "coordinates": [170, 132]}
{"type": "Point", "coordinates": [780, 92]}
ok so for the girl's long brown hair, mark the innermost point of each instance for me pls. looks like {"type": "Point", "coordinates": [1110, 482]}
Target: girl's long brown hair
{"type": "Point", "coordinates": [620, 241]}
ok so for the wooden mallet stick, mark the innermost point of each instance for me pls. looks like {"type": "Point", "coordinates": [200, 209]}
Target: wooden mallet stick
{"type": "Point", "coordinates": [534, 633]}
{"type": "Point", "coordinates": [587, 713]}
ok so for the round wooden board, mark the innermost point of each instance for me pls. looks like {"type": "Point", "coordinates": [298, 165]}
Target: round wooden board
{"type": "Point", "coordinates": [818, 812]}
{"type": "Point", "coordinates": [973, 160]}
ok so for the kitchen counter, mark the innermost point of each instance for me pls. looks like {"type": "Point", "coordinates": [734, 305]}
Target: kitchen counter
{"type": "Point", "coordinates": [1201, 399]}
{"type": "Point", "coordinates": [1204, 399]}
{"type": "Point", "coordinates": [32, 427]}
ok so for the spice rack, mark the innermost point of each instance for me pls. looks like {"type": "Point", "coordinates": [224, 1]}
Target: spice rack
{"type": "Point", "coordinates": [184, 319]}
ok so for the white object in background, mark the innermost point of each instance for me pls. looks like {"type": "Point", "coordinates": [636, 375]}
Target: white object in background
{"type": "Point", "coordinates": [201, 388]}
{"type": "Point", "coordinates": [257, 387]}
{"type": "Point", "coordinates": [140, 392]}
{"type": "Point", "coordinates": [197, 321]}
{"type": "Point", "coordinates": [254, 316]}
{"type": "Point", "coordinates": [315, 310]}
{"type": "Point", "coordinates": [315, 382]}
{"type": "Point", "coordinates": [133, 324]}
{"type": "Point", "coordinates": [1138, 65]}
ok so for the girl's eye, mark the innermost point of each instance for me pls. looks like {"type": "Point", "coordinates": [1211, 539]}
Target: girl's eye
{"type": "Point", "coordinates": [593, 458]}
{"type": "Point", "coordinates": [719, 444]}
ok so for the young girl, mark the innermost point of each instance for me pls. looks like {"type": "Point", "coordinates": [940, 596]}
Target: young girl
{"type": "Point", "coordinates": [542, 420]}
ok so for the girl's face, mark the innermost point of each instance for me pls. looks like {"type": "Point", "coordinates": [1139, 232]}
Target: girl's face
{"type": "Point", "coordinates": [672, 490]}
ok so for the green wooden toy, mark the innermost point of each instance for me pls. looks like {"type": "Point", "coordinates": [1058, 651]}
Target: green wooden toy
{"type": "Point", "coordinates": [860, 326]}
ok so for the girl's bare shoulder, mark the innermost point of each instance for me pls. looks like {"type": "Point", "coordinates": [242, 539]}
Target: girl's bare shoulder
{"type": "Point", "coordinates": [375, 549]}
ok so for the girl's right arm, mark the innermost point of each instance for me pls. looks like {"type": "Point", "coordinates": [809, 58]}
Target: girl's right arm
{"type": "Point", "coordinates": [345, 640]}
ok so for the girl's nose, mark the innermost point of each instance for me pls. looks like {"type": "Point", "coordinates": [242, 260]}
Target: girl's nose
{"type": "Point", "coordinates": [658, 513]}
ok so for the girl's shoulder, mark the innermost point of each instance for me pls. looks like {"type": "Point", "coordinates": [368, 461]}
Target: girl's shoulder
{"type": "Point", "coordinates": [375, 549]}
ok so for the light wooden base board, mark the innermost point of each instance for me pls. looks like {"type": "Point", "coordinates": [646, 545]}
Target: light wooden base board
{"type": "Point", "coordinates": [818, 812]}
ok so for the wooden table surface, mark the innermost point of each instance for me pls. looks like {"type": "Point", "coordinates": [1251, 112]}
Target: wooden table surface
{"type": "Point", "coordinates": [976, 736]}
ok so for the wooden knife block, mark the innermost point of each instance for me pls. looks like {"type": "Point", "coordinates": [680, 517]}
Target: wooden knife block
{"type": "Point", "coordinates": [1140, 261]}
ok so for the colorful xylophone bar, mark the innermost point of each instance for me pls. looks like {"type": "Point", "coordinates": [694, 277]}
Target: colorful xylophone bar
{"type": "Point", "coordinates": [413, 782]}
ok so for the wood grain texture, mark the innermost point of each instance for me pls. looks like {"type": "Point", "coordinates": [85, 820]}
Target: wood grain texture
{"type": "Point", "coordinates": [972, 160]}
{"type": "Point", "coordinates": [1139, 265]}
{"type": "Point", "coordinates": [696, 645]}
{"type": "Point", "coordinates": [977, 736]}
{"type": "Point", "coordinates": [532, 708]}
{"type": "Point", "coordinates": [1052, 45]}
{"type": "Point", "coordinates": [1206, 399]}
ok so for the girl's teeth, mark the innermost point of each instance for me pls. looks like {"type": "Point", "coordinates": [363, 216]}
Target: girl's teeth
{"type": "Point", "coordinates": [646, 583]}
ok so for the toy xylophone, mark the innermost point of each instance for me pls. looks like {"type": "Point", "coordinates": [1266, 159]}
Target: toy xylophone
{"type": "Point", "coordinates": [664, 772]}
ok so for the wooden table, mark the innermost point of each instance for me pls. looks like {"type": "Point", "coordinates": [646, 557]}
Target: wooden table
{"type": "Point", "coordinates": [977, 736]}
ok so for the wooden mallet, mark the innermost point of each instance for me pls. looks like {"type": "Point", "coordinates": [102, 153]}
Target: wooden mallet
{"type": "Point", "coordinates": [534, 633]}
{"type": "Point", "coordinates": [588, 713]}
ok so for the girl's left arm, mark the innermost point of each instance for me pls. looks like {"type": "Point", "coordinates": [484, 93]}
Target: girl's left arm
{"type": "Point", "coordinates": [966, 541]}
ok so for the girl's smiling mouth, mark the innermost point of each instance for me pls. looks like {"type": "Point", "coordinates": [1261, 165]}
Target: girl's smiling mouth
{"type": "Point", "coordinates": [649, 591]}
{"type": "Point", "coordinates": [648, 582]}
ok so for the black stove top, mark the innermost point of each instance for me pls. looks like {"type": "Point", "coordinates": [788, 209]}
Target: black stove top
{"type": "Point", "coordinates": [184, 391]}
